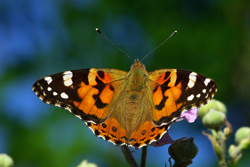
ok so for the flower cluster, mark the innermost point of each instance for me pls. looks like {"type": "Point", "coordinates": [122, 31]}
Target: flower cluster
{"type": "Point", "coordinates": [213, 116]}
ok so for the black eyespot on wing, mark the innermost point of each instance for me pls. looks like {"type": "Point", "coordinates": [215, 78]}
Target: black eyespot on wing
{"type": "Point", "coordinates": [100, 74]}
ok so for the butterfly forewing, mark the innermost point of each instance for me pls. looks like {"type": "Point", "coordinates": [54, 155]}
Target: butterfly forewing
{"type": "Point", "coordinates": [85, 93]}
{"type": "Point", "coordinates": [176, 91]}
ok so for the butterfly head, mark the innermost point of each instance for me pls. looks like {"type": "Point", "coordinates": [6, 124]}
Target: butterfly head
{"type": "Point", "coordinates": [137, 63]}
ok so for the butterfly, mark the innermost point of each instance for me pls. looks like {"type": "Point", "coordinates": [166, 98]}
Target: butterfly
{"type": "Point", "coordinates": [132, 108]}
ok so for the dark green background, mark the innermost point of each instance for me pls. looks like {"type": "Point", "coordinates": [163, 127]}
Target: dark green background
{"type": "Point", "coordinates": [42, 38]}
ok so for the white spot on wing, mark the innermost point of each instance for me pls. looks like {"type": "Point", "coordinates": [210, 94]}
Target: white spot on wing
{"type": "Point", "coordinates": [68, 73]}
{"type": "Point", "coordinates": [91, 77]}
{"type": "Point", "coordinates": [77, 115]}
{"type": "Point", "coordinates": [57, 105]}
{"type": "Point", "coordinates": [191, 97]}
{"type": "Point", "coordinates": [55, 93]}
{"type": "Point", "coordinates": [49, 88]}
{"type": "Point", "coordinates": [204, 91]}
{"type": "Point", "coordinates": [192, 79]}
{"type": "Point", "coordinates": [64, 95]}
{"type": "Point", "coordinates": [190, 83]}
{"type": "Point", "coordinates": [67, 78]}
{"type": "Point", "coordinates": [198, 95]}
{"type": "Point", "coordinates": [67, 108]}
{"type": "Point", "coordinates": [192, 76]}
{"type": "Point", "coordinates": [48, 80]}
{"type": "Point", "coordinates": [68, 82]}
{"type": "Point", "coordinates": [207, 80]}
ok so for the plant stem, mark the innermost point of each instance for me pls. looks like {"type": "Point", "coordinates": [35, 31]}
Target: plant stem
{"type": "Point", "coordinates": [222, 143]}
{"type": "Point", "coordinates": [129, 157]}
{"type": "Point", "coordinates": [217, 146]}
{"type": "Point", "coordinates": [143, 156]}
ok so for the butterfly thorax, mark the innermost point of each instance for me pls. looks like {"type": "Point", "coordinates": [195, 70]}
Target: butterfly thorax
{"type": "Point", "coordinates": [136, 78]}
{"type": "Point", "coordinates": [137, 84]}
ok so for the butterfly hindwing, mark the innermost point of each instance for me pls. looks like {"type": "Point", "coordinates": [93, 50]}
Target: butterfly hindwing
{"type": "Point", "coordinates": [85, 93]}
{"type": "Point", "coordinates": [175, 91]}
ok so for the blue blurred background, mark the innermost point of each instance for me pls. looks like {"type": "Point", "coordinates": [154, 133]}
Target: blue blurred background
{"type": "Point", "coordinates": [39, 38]}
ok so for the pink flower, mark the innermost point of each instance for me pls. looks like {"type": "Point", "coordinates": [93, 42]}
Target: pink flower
{"type": "Point", "coordinates": [189, 115]}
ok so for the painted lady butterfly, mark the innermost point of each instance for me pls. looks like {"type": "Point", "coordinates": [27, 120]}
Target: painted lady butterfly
{"type": "Point", "coordinates": [133, 108]}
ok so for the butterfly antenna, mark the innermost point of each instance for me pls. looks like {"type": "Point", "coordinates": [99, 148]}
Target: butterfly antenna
{"type": "Point", "coordinates": [160, 44]}
{"type": "Point", "coordinates": [113, 43]}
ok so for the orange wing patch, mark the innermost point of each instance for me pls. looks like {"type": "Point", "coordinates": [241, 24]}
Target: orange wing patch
{"type": "Point", "coordinates": [107, 94]}
{"type": "Point", "coordinates": [157, 96]}
{"type": "Point", "coordinates": [166, 94]}
{"type": "Point", "coordinates": [104, 77]}
{"type": "Point", "coordinates": [96, 93]}
{"type": "Point", "coordinates": [146, 134]}
{"type": "Point", "coordinates": [110, 130]}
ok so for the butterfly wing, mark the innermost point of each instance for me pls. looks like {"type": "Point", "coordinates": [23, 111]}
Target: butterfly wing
{"type": "Point", "coordinates": [85, 93]}
{"type": "Point", "coordinates": [175, 91]}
